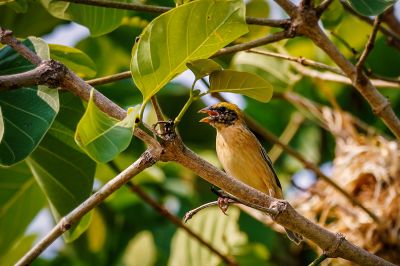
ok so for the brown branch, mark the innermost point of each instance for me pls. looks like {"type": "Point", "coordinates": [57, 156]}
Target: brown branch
{"type": "Point", "coordinates": [173, 149]}
{"type": "Point", "coordinates": [306, 23]}
{"type": "Point", "coordinates": [164, 212]}
{"type": "Point", "coordinates": [6, 37]}
{"type": "Point", "coordinates": [391, 20]}
{"type": "Point", "coordinates": [321, 8]}
{"type": "Point", "coordinates": [285, 215]}
{"type": "Point", "coordinates": [369, 45]}
{"type": "Point", "coordinates": [278, 23]}
{"type": "Point", "coordinates": [147, 159]}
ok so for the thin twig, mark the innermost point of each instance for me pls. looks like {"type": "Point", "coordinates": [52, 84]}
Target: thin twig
{"type": "Point", "coordinates": [279, 23]}
{"type": "Point", "coordinates": [274, 37]}
{"type": "Point", "coordinates": [292, 127]}
{"type": "Point", "coordinates": [157, 109]}
{"type": "Point", "coordinates": [393, 38]}
{"type": "Point", "coordinates": [172, 218]}
{"type": "Point", "coordinates": [369, 45]}
{"type": "Point", "coordinates": [345, 43]}
{"type": "Point", "coordinates": [321, 8]}
{"type": "Point", "coordinates": [146, 160]}
{"type": "Point", "coordinates": [379, 83]}
{"type": "Point", "coordinates": [389, 17]}
{"type": "Point", "coordinates": [110, 78]}
{"type": "Point", "coordinates": [189, 215]}
{"type": "Point", "coordinates": [301, 60]}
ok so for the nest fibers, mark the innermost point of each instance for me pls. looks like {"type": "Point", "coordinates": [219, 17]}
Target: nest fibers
{"type": "Point", "coordinates": [368, 168]}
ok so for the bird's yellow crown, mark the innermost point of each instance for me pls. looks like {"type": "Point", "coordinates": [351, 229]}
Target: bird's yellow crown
{"type": "Point", "coordinates": [229, 106]}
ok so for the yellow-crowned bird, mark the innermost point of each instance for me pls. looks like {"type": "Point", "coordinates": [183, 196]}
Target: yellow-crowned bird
{"type": "Point", "coordinates": [241, 154]}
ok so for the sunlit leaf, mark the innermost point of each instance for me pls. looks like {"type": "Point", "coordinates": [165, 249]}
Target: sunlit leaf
{"type": "Point", "coordinates": [258, 9]}
{"type": "Point", "coordinates": [27, 113]}
{"type": "Point", "coordinates": [370, 8]}
{"type": "Point", "coordinates": [18, 191]}
{"type": "Point", "coordinates": [220, 230]}
{"type": "Point", "coordinates": [99, 20]}
{"type": "Point", "coordinates": [63, 171]}
{"type": "Point", "coordinates": [189, 32]}
{"type": "Point", "coordinates": [74, 59]}
{"type": "Point", "coordinates": [17, 250]}
{"type": "Point", "coordinates": [142, 243]}
{"type": "Point", "coordinates": [203, 67]}
{"type": "Point", "coordinates": [103, 137]}
{"type": "Point", "coordinates": [244, 83]}
{"type": "Point", "coordinates": [96, 232]}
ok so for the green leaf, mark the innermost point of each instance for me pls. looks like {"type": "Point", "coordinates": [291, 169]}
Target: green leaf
{"type": "Point", "coordinates": [142, 243]}
{"type": "Point", "coordinates": [27, 113]}
{"type": "Point", "coordinates": [244, 83]}
{"type": "Point", "coordinates": [64, 173]}
{"type": "Point", "coordinates": [99, 20]}
{"type": "Point", "coordinates": [74, 59]}
{"type": "Point", "coordinates": [189, 32]}
{"type": "Point", "coordinates": [18, 191]}
{"type": "Point", "coordinates": [214, 227]}
{"type": "Point", "coordinates": [203, 67]}
{"type": "Point", "coordinates": [258, 9]}
{"type": "Point", "coordinates": [103, 137]}
{"type": "Point", "coordinates": [370, 8]}
{"type": "Point", "coordinates": [17, 250]}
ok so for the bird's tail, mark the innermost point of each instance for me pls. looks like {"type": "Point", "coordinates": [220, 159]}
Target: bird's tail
{"type": "Point", "coordinates": [296, 238]}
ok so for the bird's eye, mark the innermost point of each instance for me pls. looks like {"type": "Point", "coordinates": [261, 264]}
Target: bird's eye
{"type": "Point", "coordinates": [222, 109]}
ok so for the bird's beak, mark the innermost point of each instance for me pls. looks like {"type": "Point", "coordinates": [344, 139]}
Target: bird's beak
{"type": "Point", "coordinates": [211, 113]}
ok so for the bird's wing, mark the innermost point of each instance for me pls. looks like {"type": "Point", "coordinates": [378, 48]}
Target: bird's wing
{"type": "Point", "coordinates": [268, 161]}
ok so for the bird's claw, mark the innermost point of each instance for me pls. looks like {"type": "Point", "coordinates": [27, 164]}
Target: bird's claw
{"type": "Point", "coordinates": [223, 204]}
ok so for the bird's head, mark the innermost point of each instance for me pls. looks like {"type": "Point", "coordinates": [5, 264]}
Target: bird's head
{"type": "Point", "coordinates": [222, 115]}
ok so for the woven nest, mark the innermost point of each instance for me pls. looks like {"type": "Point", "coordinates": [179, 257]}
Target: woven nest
{"type": "Point", "coordinates": [367, 166]}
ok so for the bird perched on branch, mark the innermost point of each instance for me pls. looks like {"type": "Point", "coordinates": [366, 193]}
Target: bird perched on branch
{"type": "Point", "coordinates": [241, 154]}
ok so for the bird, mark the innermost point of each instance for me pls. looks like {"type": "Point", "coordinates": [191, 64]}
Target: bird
{"type": "Point", "coordinates": [241, 154]}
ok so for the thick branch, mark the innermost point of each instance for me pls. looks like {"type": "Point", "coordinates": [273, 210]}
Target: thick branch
{"type": "Point", "coordinates": [391, 20]}
{"type": "Point", "coordinates": [147, 159]}
{"type": "Point", "coordinates": [286, 215]}
{"type": "Point", "coordinates": [306, 24]}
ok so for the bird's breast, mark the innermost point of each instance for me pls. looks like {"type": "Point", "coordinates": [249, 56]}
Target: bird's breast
{"type": "Point", "coordinates": [240, 155]}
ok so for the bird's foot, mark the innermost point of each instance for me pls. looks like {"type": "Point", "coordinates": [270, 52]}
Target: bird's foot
{"type": "Point", "coordinates": [223, 204]}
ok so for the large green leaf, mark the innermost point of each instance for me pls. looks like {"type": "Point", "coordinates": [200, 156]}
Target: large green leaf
{"type": "Point", "coordinates": [27, 113]}
{"type": "Point", "coordinates": [370, 8]}
{"type": "Point", "coordinates": [241, 82]}
{"type": "Point", "coordinates": [214, 227]}
{"type": "Point", "coordinates": [20, 201]}
{"type": "Point", "coordinates": [64, 173]}
{"type": "Point", "coordinates": [189, 32]}
{"type": "Point", "coordinates": [74, 59]}
{"type": "Point", "coordinates": [99, 20]}
{"type": "Point", "coordinates": [103, 137]}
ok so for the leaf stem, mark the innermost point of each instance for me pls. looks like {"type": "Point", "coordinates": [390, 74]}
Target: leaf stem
{"type": "Point", "coordinates": [191, 99]}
